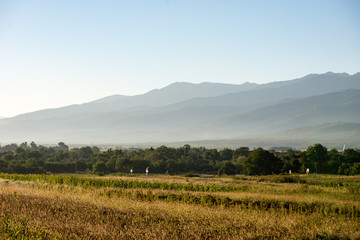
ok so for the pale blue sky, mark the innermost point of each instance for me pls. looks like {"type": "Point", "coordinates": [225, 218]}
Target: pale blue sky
{"type": "Point", "coordinates": [59, 52]}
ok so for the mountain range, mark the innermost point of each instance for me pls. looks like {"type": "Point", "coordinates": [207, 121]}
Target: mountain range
{"type": "Point", "coordinates": [316, 108]}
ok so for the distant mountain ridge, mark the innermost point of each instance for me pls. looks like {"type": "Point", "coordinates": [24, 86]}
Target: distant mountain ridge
{"type": "Point", "coordinates": [176, 92]}
{"type": "Point", "coordinates": [270, 93]}
{"type": "Point", "coordinates": [332, 107]}
{"type": "Point", "coordinates": [188, 112]}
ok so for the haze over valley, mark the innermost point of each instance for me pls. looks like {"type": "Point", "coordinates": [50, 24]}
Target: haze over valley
{"type": "Point", "coordinates": [314, 108]}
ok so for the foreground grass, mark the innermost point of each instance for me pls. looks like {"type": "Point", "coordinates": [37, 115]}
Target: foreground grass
{"type": "Point", "coordinates": [54, 210]}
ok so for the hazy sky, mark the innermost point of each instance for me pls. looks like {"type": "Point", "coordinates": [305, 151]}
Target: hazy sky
{"type": "Point", "coordinates": [59, 52]}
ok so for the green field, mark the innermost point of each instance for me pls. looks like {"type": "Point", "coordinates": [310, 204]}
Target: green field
{"type": "Point", "coordinates": [178, 207]}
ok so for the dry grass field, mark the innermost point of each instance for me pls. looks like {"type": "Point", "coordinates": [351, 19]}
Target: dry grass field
{"type": "Point", "coordinates": [174, 207]}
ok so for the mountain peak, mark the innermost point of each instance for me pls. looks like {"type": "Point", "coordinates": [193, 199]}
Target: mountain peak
{"type": "Point", "coordinates": [336, 74]}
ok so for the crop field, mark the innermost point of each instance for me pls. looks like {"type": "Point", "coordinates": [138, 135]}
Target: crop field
{"type": "Point", "coordinates": [179, 207]}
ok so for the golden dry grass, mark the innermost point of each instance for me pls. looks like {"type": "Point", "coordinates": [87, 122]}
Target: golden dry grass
{"type": "Point", "coordinates": [79, 213]}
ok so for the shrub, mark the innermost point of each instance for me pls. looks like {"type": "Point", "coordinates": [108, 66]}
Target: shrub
{"type": "Point", "coordinates": [191, 175]}
{"type": "Point", "coordinates": [289, 179]}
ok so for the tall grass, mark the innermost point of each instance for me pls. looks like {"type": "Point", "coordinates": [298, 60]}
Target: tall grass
{"type": "Point", "coordinates": [120, 183]}
{"type": "Point", "coordinates": [82, 207]}
{"type": "Point", "coordinates": [14, 228]}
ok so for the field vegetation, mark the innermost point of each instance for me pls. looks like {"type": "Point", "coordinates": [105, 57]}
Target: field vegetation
{"type": "Point", "coordinates": [296, 206]}
{"type": "Point", "coordinates": [31, 158]}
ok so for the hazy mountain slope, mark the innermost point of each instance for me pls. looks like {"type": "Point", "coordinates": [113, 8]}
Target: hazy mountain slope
{"type": "Point", "coordinates": [147, 125]}
{"type": "Point", "coordinates": [271, 93]}
{"type": "Point", "coordinates": [178, 95]}
{"type": "Point", "coordinates": [253, 110]}
{"type": "Point", "coordinates": [326, 129]}
{"type": "Point", "coordinates": [173, 93]}
{"type": "Point", "coordinates": [332, 135]}
{"type": "Point", "coordinates": [333, 107]}
{"type": "Point", "coordinates": [183, 94]}
{"type": "Point", "coordinates": [191, 123]}
{"type": "Point", "coordinates": [330, 76]}
{"type": "Point", "coordinates": [176, 92]}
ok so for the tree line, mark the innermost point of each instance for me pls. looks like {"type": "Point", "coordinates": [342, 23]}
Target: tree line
{"type": "Point", "coordinates": [31, 158]}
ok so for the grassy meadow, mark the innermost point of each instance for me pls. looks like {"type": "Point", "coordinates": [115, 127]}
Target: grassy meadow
{"type": "Point", "coordinates": [179, 207]}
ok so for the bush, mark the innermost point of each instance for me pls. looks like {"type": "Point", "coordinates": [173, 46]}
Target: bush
{"type": "Point", "coordinates": [289, 179]}
{"type": "Point", "coordinates": [191, 175]}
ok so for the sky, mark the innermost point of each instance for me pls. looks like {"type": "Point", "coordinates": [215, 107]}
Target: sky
{"type": "Point", "coordinates": [62, 52]}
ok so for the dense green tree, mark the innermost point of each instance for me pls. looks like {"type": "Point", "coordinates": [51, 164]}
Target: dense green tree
{"type": "Point", "coordinates": [291, 162]}
{"type": "Point", "coordinates": [123, 164]}
{"type": "Point", "coordinates": [351, 156]}
{"type": "Point", "coordinates": [261, 162]}
{"type": "Point", "coordinates": [316, 156]}
{"type": "Point", "coordinates": [138, 164]}
{"type": "Point", "coordinates": [345, 168]}
{"type": "Point", "coordinates": [226, 154]}
{"type": "Point", "coordinates": [355, 169]}
{"type": "Point", "coordinates": [63, 147]}
{"type": "Point", "coordinates": [241, 151]}
{"type": "Point", "coordinates": [20, 150]}
{"type": "Point", "coordinates": [239, 162]}
{"type": "Point", "coordinates": [9, 148]}
{"type": "Point", "coordinates": [60, 159]}
{"type": "Point", "coordinates": [212, 154]}
{"type": "Point", "coordinates": [335, 161]}
{"type": "Point", "coordinates": [227, 168]}
{"type": "Point", "coordinates": [111, 164]}
{"type": "Point", "coordinates": [159, 156]}
{"type": "Point", "coordinates": [95, 149]}
{"type": "Point", "coordinates": [24, 145]}
{"type": "Point", "coordinates": [81, 166]}
{"type": "Point", "coordinates": [3, 166]}
{"type": "Point", "coordinates": [33, 154]}
{"type": "Point", "coordinates": [8, 156]}
{"type": "Point", "coordinates": [85, 153]}
{"type": "Point", "coordinates": [74, 153]}
{"type": "Point", "coordinates": [61, 167]}
{"type": "Point", "coordinates": [186, 149]}
{"type": "Point", "coordinates": [100, 168]}
{"type": "Point", "coordinates": [33, 146]}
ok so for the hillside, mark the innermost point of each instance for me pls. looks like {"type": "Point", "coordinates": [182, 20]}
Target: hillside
{"type": "Point", "coordinates": [333, 107]}
{"type": "Point", "coordinates": [176, 92]}
{"type": "Point", "coordinates": [190, 112]}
